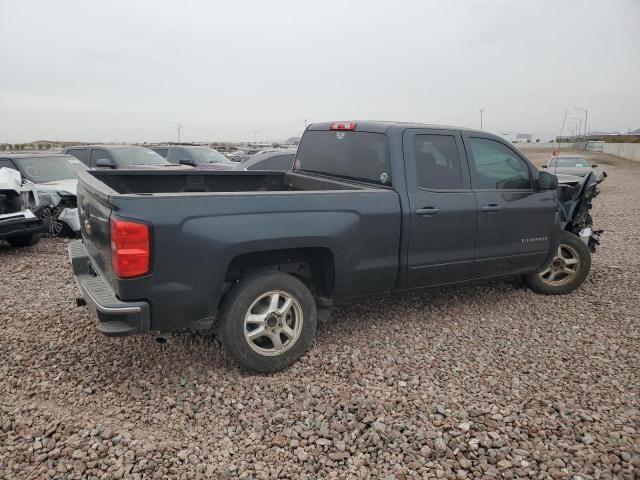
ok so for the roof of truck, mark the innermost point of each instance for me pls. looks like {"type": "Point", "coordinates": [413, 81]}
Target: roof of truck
{"type": "Point", "coordinates": [375, 126]}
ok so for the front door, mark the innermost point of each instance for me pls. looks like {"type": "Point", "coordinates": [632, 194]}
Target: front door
{"type": "Point", "coordinates": [443, 208]}
{"type": "Point", "coordinates": [515, 221]}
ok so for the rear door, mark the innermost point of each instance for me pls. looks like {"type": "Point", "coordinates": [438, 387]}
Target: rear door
{"type": "Point", "coordinates": [443, 208]}
{"type": "Point", "coordinates": [515, 221]}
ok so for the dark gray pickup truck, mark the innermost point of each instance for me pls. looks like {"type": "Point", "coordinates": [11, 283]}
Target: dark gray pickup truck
{"type": "Point", "coordinates": [369, 208]}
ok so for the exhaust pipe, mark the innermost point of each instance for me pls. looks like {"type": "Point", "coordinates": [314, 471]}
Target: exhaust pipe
{"type": "Point", "coordinates": [164, 337]}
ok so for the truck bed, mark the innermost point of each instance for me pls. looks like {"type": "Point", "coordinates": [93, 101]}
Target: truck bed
{"type": "Point", "coordinates": [198, 181]}
{"type": "Point", "coordinates": [205, 225]}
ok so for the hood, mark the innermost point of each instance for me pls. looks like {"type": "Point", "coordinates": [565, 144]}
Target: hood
{"type": "Point", "coordinates": [68, 186]}
{"type": "Point", "coordinates": [170, 166]}
{"type": "Point", "coordinates": [568, 179]}
{"type": "Point", "coordinates": [216, 166]}
{"type": "Point", "coordinates": [579, 171]}
{"type": "Point", "coordinates": [10, 179]}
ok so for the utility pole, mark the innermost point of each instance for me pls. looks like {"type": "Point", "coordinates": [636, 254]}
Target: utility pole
{"type": "Point", "coordinates": [579, 120]}
{"type": "Point", "coordinates": [586, 117]}
{"type": "Point", "coordinates": [481, 112]}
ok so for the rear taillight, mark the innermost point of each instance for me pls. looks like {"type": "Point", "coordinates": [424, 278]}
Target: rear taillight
{"type": "Point", "coordinates": [343, 126]}
{"type": "Point", "coordinates": [129, 248]}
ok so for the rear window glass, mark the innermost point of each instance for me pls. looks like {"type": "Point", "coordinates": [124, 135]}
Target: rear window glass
{"type": "Point", "coordinates": [353, 155]}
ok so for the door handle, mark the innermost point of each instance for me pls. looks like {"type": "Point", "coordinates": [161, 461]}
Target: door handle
{"type": "Point", "coordinates": [427, 211]}
{"type": "Point", "coordinates": [491, 208]}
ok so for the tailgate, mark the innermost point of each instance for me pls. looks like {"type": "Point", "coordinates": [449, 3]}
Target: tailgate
{"type": "Point", "coordinates": [94, 211]}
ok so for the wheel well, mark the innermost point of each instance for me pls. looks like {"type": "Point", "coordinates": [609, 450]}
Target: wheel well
{"type": "Point", "coordinates": [314, 266]}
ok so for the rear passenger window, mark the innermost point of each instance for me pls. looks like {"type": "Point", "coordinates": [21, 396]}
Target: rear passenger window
{"type": "Point", "coordinates": [497, 167]}
{"type": "Point", "coordinates": [437, 162]}
{"type": "Point", "coordinates": [81, 154]}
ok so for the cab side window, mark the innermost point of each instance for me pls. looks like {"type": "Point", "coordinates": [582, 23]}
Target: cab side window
{"type": "Point", "coordinates": [437, 162]}
{"type": "Point", "coordinates": [497, 167]}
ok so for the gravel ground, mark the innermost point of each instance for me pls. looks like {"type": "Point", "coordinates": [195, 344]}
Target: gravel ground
{"type": "Point", "coordinates": [490, 381]}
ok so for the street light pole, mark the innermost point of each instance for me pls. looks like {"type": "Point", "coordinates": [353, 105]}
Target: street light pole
{"type": "Point", "coordinates": [586, 118]}
{"type": "Point", "coordinates": [579, 120]}
{"type": "Point", "coordinates": [481, 112]}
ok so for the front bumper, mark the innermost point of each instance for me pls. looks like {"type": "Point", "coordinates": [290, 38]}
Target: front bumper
{"type": "Point", "coordinates": [116, 318]}
{"type": "Point", "coordinates": [70, 217]}
{"type": "Point", "coordinates": [21, 223]}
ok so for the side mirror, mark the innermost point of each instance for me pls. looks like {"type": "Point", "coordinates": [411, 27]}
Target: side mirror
{"type": "Point", "coordinates": [594, 165]}
{"type": "Point", "coordinates": [547, 181]}
{"type": "Point", "coordinates": [105, 163]}
{"type": "Point", "coordinates": [184, 161]}
{"type": "Point", "coordinates": [544, 166]}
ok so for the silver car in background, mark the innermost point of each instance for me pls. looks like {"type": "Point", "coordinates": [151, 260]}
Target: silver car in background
{"type": "Point", "coordinates": [573, 165]}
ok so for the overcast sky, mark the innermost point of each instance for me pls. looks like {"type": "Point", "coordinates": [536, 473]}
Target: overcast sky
{"type": "Point", "coordinates": [130, 70]}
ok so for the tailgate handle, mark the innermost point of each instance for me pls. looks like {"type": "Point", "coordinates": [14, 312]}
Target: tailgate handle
{"type": "Point", "coordinates": [491, 208]}
{"type": "Point", "coordinates": [427, 211]}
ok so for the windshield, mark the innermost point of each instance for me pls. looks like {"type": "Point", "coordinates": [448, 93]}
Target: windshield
{"type": "Point", "coordinates": [354, 155]}
{"type": "Point", "coordinates": [49, 169]}
{"type": "Point", "coordinates": [138, 156]}
{"type": "Point", "coordinates": [208, 155]}
{"type": "Point", "coordinates": [569, 162]}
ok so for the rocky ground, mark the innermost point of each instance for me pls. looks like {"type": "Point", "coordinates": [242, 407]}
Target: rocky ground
{"type": "Point", "coordinates": [486, 381]}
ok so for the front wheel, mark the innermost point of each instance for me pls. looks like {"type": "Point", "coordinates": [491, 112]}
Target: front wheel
{"type": "Point", "coordinates": [268, 321]}
{"type": "Point", "coordinates": [566, 272]}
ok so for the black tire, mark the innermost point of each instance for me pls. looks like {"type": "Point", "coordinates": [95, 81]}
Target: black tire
{"type": "Point", "coordinates": [255, 292]}
{"type": "Point", "coordinates": [24, 240]}
{"type": "Point", "coordinates": [572, 244]}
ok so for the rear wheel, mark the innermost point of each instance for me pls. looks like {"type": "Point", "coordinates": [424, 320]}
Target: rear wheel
{"type": "Point", "coordinates": [566, 272]}
{"type": "Point", "coordinates": [24, 240]}
{"type": "Point", "coordinates": [268, 321]}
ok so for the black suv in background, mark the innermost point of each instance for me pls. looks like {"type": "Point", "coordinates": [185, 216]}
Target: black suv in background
{"type": "Point", "coordinates": [119, 157]}
{"type": "Point", "coordinates": [195, 156]}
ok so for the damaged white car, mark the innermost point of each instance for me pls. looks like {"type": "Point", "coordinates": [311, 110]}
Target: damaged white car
{"type": "Point", "coordinates": [48, 186]}
{"type": "Point", "coordinates": [18, 225]}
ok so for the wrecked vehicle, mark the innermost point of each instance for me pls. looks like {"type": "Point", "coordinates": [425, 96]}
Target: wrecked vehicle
{"type": "Point", "coordinates": [49, 183]}
{"type": "Point", "coordinates": [368, 209]}
{"type": "Point", "coordinates": [20, 227]}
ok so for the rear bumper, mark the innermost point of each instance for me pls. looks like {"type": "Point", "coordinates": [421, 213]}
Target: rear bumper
{"type": "Point", "coordinates": [116, 318]}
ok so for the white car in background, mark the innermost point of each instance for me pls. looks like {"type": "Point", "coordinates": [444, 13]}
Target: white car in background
{"type": "Point", "coordinates": [49, 180]}
{"type": "Point", "coordinates": [574, 165]}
